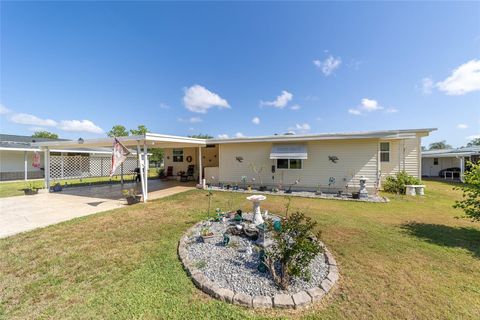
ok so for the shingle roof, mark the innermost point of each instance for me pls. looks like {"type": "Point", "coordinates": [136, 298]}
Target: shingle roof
{"type": "Point", "coordinates": [17, 141]}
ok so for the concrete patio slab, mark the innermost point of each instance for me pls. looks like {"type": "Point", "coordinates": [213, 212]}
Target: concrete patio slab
{"type": "Point", "coordinates": [24, 213]}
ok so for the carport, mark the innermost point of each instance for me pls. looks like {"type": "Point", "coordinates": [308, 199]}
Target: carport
{"type": "Point", "coordinates": [141, 143]}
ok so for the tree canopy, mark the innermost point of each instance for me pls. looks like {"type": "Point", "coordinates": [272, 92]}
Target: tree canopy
{"type": "Point", "coordinates": [474, 142]}
{"type": "Point", "coordinates": [118, 131]}
{"type": "Point", "coordinates": [439, 145]}
{"type": "Point", "coordinates": [141, 130]}
{"type": "Point", "coordinates": [44, 134]}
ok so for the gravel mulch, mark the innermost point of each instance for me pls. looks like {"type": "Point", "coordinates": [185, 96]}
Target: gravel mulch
{"type": "Point", "coordinates": [231, 267]}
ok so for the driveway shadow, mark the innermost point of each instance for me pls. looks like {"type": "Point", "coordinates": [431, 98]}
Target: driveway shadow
{"type": "Point", "coordinates": [455, 237]}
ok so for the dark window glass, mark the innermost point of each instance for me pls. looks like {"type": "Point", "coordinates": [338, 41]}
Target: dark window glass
{"type": "Point", "coordinates": [435, 161]}
{"type": "Point", "coordinates": [295, 164]}
{"type": "Point", "coordinates": [177, 155]}
{"type": "Point", "coordinates": [282, 163]}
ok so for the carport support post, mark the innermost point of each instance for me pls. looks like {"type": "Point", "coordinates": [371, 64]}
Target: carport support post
{"type": "Point", "coordinates": [462, 168]}
{"type": "Point", "coordinates": [145, 168]}
{"type": "Point", "coordinates": [200, 173]}
{"type": "Point", "coordinates": [139, 155]}
{"type": "Point", "coordinates": [25, 166]}
{"type": "Point", "coordinates": [47, 168]}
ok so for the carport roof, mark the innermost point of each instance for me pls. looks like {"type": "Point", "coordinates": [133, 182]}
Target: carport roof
{"type": "Point", "coordinates": [152, 140]}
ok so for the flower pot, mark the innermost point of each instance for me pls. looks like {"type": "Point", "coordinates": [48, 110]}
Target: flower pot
{"type": "Point", "coordinates": [133, 199]}
{"type": "Point", "coordinates": [356, 195]}
{"type": "Point", "coordinates": [210, 238]}
{"type": "Point", "coordinates": [30, 192]}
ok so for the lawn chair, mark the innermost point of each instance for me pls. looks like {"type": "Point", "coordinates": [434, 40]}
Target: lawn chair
{"type": "Point", "coordinates": [189, 174]}
{"type": "Point", "coordinates": [168, 173]}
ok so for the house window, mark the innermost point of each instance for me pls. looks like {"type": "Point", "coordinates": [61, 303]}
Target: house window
{"type": "Point", "coordinates": [289, 164]}
{"type": "Point", "coordinates": [177, 155]}
{"type": "Point", "coordinates": [435, 161]}
{"type": "Point", "coordinates": [385, 151]}
{"type": "Point", "coordinates": [282, 163]}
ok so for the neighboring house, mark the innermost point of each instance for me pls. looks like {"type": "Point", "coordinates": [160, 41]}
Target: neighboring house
{"type": "Point", "coordinates": [17, 152]}
{"type": "Point", "coordinates": [318, 161]}
{"type": "Point", "coordinates": [436, 162]}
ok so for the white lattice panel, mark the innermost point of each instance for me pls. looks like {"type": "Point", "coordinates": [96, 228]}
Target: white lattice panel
{"type": "Point", "coordinates": [83, 166]}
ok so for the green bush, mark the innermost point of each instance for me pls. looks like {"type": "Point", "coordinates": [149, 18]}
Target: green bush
{"type": "Point", "coordinates": [294, 247]}
{"type": "Point", "coordinates": [471, 192]}
{"type": "Point", "coordinates": [397, 183]}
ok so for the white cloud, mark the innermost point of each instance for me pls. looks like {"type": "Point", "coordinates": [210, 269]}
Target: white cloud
{"type": "Point", "coordinates": [199, 99]}
{"type": "Point", "coordinates": [462, 126]}
{"type": "Point", "coordinates": [301, 128]}
{"type": "Point", "coordinates": [329, 65]}
{"type": "Point", "coordinates": [295, 107]}
{"type": "Point", "coordinates": [191, 120]}
{"type": "Point", "coordinates": [239, 135]}
{"type": "Point", "coordinates": [256, 120]}
{"type": "Point", "coordinates": [391, 110]}
{"type": "Point", "coordinates": [427, 85]}
{"type": "Point", "coordinates": [464, 79]}
{"type": "Point", "coordinates": [280, 102]}
{"type": "Point", "coordinates": [223, 136]}
{"type": "Point", "coordinates": [79, 126]}
{"type": "Point", "coordinates": [30, 119]}
{"type": "Point", "coordinates": [370, 105]}
{"type": "Point", "coordinates": [4, 110]}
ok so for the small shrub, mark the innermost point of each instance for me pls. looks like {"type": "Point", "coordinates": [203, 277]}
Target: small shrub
{"type": "Point", "coordinates": [200, 264]}
{"type": "Point", "coordinates": [471, 193]}
{"type": "Point", "coordinates": [294, 247]}
{"type": "Point", "coordinates": [396, 184]}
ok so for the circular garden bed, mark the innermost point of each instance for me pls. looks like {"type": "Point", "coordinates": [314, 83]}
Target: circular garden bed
{"type": "Point", "coordinates": [226, 263]}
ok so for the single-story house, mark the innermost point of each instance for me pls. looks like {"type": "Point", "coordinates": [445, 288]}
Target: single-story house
{"type": "Point", "coordinates": [448, 163]}
{"type": "Point", "coordinates": [17, 156]}
{"type": "Point", "coordinates": [330, 161]}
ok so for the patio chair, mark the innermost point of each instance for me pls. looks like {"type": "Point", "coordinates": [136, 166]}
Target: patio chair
{"type": "Point", "coordinates": [189, 174]}
{"type": "Point", "coordinates": [167, 173]}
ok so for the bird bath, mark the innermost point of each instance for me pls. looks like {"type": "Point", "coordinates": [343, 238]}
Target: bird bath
{"type": "Point", "coordinates": [257, 215]}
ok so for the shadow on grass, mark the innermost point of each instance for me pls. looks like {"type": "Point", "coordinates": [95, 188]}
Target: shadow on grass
{"type": "Point", "coordinates": [455, 237]}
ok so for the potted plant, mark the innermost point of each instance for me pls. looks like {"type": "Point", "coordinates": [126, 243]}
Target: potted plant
{"type": "Point", "coordinates": [30, 189]}
{"type": "Point", "coordinates": [131, 196]}
{"type": "Point", "coordinates": [244, 181]}
{"type": "Point", "coordinates": [207, 235]}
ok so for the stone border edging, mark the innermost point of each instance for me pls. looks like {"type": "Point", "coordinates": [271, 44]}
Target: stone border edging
{"type": "Point", "coordinates": [288, 301]}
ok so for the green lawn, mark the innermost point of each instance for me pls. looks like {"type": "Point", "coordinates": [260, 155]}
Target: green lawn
{"type": "Point", "coordinates": [10, 189]}
{"type": "Point", "coordinates": [407, 259]}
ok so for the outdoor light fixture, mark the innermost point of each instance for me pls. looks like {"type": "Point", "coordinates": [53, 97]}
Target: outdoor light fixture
{"type": "Point", "coordinates": [80, 140]}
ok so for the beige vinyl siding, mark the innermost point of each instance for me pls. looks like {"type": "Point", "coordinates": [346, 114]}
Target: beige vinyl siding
{"type": "Point", "coordinates": [404, 155]}
{"type": "Point", "coordinates": [356, 158]}
{"type": "Point", "coordinates": [181, 166]}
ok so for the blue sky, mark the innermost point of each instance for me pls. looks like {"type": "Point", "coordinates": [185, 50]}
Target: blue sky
{"type": "Point", "coordinates": [77, 69]}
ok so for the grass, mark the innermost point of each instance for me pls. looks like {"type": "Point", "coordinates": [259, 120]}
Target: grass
{"type": "Point", "coordinates": [11, 189]}
{"type": "Point", "coordinates": [407, 259]}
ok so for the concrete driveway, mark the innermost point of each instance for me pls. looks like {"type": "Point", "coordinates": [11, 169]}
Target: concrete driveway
{"type": "Point", "coordinates": [23, 213]}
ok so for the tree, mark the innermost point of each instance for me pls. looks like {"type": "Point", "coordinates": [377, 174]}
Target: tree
{"type": "Point", "coordinates": [439, 145]}
{"type": "Point", "coordinates": [140, 131]}
{"type": "Point", "coordinates": [424, 148]}
{"type": "Point", "coordinates": [470, 202]}
{"type": "Point", "coordinates": [201, 136]}
{"type": "Point", "coordinates": [474, 142]}
{"type": "Point", "coordinates": [44, 134]}
{"type": "Point", "coordinates": [118, 131]}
